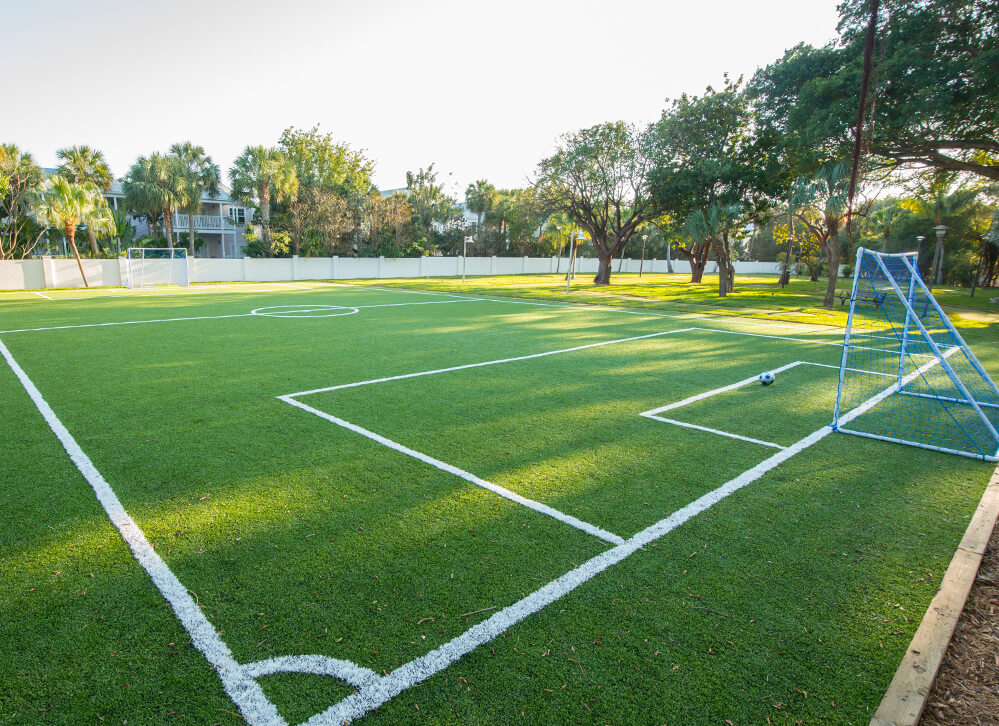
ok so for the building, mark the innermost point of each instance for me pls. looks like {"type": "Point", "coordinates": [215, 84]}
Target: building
{"type": "Point", "coordinates": [220, 223]}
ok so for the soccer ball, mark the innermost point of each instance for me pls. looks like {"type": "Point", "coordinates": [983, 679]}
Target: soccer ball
{"type": "Point", "coordinates": [766, 378]}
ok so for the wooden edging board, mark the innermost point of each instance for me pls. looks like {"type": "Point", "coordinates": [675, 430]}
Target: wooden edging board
{"type": "Point", "coordinates": [909, 690]}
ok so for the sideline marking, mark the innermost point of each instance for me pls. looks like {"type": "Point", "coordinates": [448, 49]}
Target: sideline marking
{"type": "Point", "coordinates": [253, 313]}
{"type": "Point", "coordinates": [462, 474]}
{"type": "Point", "coordinates": [43, 295]}
{"type": "Point", "coordinates": [242, 688]}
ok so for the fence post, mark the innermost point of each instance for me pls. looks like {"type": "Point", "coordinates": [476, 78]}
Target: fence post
{"type": "Point", "coordinates": [48, 272]}
{"type": "Point", "coordinates": [333, 260]}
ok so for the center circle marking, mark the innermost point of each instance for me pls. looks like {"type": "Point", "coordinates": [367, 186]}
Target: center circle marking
{"type": "Point", "coordinates": [304, 311]}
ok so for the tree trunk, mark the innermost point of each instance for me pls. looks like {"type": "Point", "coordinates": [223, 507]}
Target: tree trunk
{"type": "Point", "coordinates": [168, 226]}
{"type": "Point", "coordinates": [93, 240]}
{"type": "Point", "coordinates": [70, 230]}
{"type": "Point", "coordinates": [719, 250]}
{"type": "Point", "coordinates": [832, 252]}
{"type": "Point", "coordinates": [697, 256]}
{"type": "Point", "coordinates": [264, 193]}
{"type": "Point", "coordinates": [604, 268]}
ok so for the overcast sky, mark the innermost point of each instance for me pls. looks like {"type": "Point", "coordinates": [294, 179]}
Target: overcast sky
{"type": "Point", "coordinates": [481, 89]}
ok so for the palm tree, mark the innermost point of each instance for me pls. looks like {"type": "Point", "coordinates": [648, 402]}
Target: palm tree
{"type": "Point", "coordinates": [938, 199]}
{"type": "Point", "coordinates": [201, 175]}
{"type": "Point", "coordinates": [260, 175]}
{"type": "Point", "coordinates": [65, 205]}
{"type": "Point", "coordinates": [82, 165]}
{"type": "Point", "coordinates": [156, 185]}
{"type": "Point", "coordinates": [479, 198]}
{"type": "Point", "coordinates": [820, 203]}
{"type": "Point", "coordinates": [713, 225]}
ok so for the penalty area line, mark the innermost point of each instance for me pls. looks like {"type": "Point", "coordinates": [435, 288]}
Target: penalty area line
{"type": "Point", "coordinates": [462, 474]}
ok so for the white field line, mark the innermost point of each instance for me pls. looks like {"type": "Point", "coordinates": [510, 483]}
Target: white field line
{"type": "Point", "coordinates": [461, 473]}
{"type": "Point", "coordinates": [709, 430]}
{"type": "Point", "coordinates": [242, 688]}
{"type": "Point", "coordinates": [319, 665]}
{"type": "Point", "coordinates": [714, 392]}
{"type": "Point", "coordinates": [39, 294]}
{"type": "Point", "coordinates": [129, 322]}
{"type": "Point", "coordinates": [386, 687]}
{"type": "Point", "coordinates": [207, 317]}
{"type": "Point", "coordinates": [481, 364]}
{"type": "Point", "coordinates": [772, 337]}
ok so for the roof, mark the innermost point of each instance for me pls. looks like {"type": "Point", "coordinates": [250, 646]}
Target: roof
{"type": "Point", "coordinates": [117, 191]}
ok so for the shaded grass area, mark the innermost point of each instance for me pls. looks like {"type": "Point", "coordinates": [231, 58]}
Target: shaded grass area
{"type": "Point", "coordinates": [793, 599]}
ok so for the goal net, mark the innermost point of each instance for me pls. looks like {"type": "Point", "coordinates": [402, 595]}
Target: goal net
{"type": "Point", "coordinates": [146, 266]}
{"type": "Point", "coordinates": [906, 374]}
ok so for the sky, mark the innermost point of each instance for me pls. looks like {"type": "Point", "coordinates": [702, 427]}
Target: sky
{"type": "Point", "coordinates": [481, 90]}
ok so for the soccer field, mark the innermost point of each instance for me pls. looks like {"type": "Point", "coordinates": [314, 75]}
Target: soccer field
{"type": "Point", "coordinates": [319, 503]}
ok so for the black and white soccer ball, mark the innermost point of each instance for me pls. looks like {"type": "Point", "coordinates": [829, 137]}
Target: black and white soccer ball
{"type": "Point", "coordinates": [767, 378]}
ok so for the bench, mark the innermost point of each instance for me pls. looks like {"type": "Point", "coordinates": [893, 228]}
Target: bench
{"type": "Point", "coordinates": [874, 298]}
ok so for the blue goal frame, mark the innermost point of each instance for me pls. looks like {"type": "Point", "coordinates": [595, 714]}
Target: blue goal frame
{"type": "Point", "coordinates": [941, 398]}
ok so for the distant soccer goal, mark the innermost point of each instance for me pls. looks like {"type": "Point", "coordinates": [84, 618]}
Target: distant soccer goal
{"type": "Point", "coordinates": [149, 266]}
{"type": "Point", "coordinates": [906, 374]}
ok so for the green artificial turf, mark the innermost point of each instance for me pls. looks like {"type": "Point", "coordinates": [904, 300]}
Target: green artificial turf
{"type": "Point", "coordinates": [792, 600]}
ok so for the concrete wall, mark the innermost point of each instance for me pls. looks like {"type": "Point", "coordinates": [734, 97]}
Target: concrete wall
{"type": "Point", "coordinates": [49, 272]}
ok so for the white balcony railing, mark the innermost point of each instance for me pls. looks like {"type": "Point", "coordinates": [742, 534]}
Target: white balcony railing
{"type": "Point", "coordinates": [203, 223]}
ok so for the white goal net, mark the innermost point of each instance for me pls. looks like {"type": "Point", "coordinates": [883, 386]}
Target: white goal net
{"type": "Point", "coordinates": [148, 266]}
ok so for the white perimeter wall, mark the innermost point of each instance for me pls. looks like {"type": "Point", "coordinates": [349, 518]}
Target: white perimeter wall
{"type": "Point", "coordinates": [49, 272]}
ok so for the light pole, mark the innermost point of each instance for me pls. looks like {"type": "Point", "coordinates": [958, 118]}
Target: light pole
{"type": "Point", "coordinates": [464, 256]}
{"type": "Point", "coordinates": [572, 260]}
{"type": "Point", "coordinates": [645, 238]}
{"type": "Point", "coordinates": [936, 274]}
{"type": "Point", "coordinates": [919, 248]}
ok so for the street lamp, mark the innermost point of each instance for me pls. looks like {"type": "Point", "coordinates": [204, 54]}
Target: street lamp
{"type": "Point", "coordinates": [645, 238]}
{"type": "Point", "coordinates": [572, 259]}
{"type": "Point", "coordinates": [937, 272]}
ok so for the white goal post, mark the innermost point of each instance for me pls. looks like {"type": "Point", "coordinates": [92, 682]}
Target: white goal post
{"type": "Point", "coordinates": [148, 266]}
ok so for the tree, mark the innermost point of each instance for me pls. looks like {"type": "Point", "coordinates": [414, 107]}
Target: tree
{"type": "Point", "coordinates": [715, 225]}
{"type": "Point", "coordinates": [81, 165]}
{"type": "Point", "coordinates": [705, 167]}
{"type": "Point", "coordinates": [20, 178]}
{"type": "Point", "coordinates": [65, 205]}
{"type": "Point", "coordinates": [436, 217]}
{"type": "Point", "coordinates": [201, 176]}
{"type": "Point", "coordinates": [388, 224]}
{"type": "Point", "coordinates": [323, 163]}
{"type": "Point", "coordinates": [941, 199]}
{"type": "Point", "coordinates": [820, 204]}
{"type": "Point", "coordinates": [156, 186]}
{"type": "Point", "coordinates": [261, 175]}
{"type": "Point", "coordinates": [479, 198]}
{"type": "Point", "coordinates": [599, 177]}
{"type": "Point", "coordinates": [934, 101]}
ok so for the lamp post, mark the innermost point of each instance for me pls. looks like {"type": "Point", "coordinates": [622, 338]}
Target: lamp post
{"type": "Point", "coordinates": [919, 248]}
{"type": "Point", "coordinates": [464, 256]}
{"type": "Point", "coordinates": [572, 260]}
{"type": "Point", "coordinates": [645, 238]}
{"type": "Point", "coordinates": [936, 274]}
